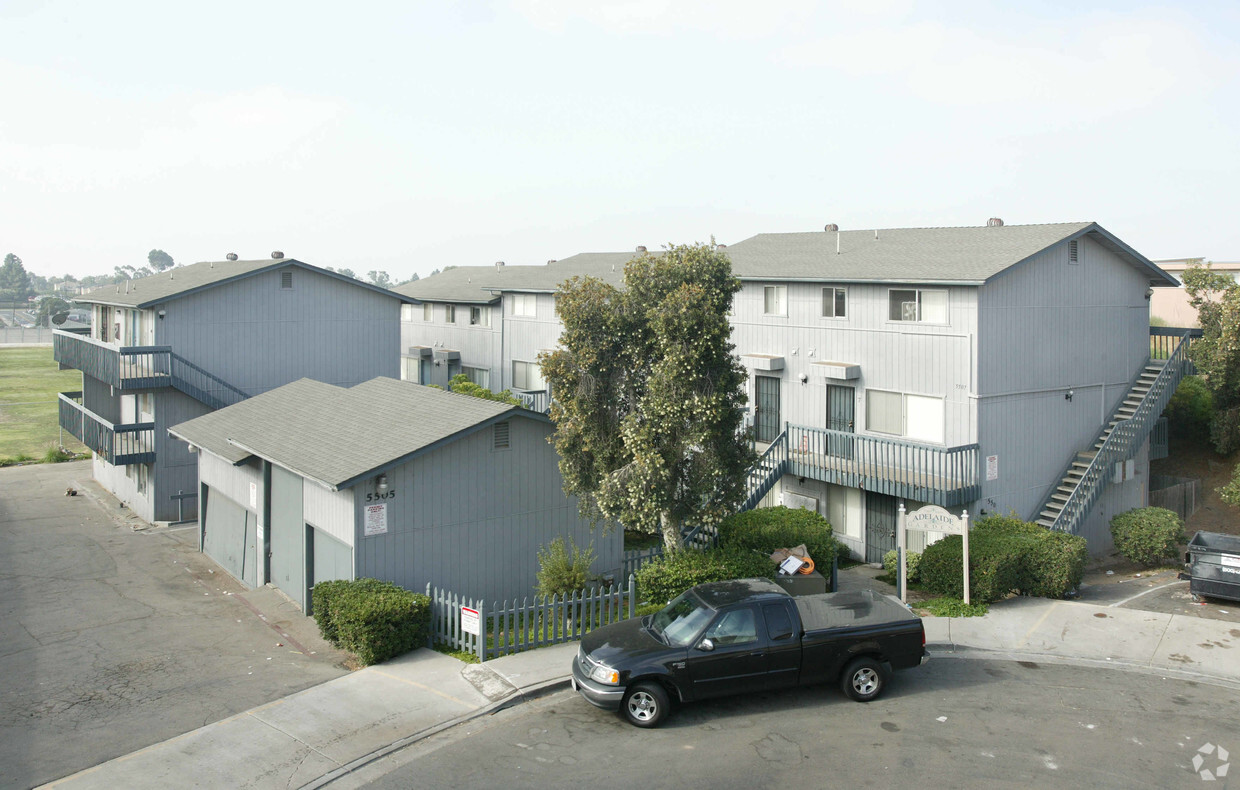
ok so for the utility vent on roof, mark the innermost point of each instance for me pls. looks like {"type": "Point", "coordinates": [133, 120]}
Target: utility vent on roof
{"type": "Point", "coordinates": [499, 433]}
{"type": "Point", "coordinates": [1072, 252]}
{"type": "Point", "coordinates": [831, 227]}
{"type": "Point", "coordinates": [994, 222]}
{"type": "Point", "coordinates": [286, 281]}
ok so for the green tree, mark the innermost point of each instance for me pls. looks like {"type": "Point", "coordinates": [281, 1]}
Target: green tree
{"type": "Point", "coordinates": [14, 280]}
{"type": "Point", "coordinates": [1216, 354]}
{"type": "Point", "coordinates": [48, 308]}
{"type": "Point", "coordinates": [159, 260]}
{"type": "Point", "coordinates": [649, 396]}
{"type": "Point", "coordinates": [461, 385]}
{"type": "Point", "coordinates": [379, 278]}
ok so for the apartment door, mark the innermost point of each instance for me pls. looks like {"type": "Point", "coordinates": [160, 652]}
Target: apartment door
{"type": "Point", "coordinates": [880, 525]}
{"type": "Point", "coordinates": [766, 420]}
{"type": "Point", "coordinates": [289, 550]}
{"type": "Point", "coordinates": [840, 405]}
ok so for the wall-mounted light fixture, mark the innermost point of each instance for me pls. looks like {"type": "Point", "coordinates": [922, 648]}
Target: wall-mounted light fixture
{"type": "Point", "coordinates": [162, 313]}
{"type": "Point", "coordinates": [804, 378]}
{"type": "Point", "coordinates": [1068, 395]}
{"type": "Point", "coordinates": [381, 484]}
{"type": "Point", "coordinates": [1148, 293]}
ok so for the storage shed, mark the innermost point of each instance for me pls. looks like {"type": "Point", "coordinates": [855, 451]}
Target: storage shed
{"type": "Point", "coordinates": [386, 479]}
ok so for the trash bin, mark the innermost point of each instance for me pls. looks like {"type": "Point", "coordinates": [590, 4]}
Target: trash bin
{"type": "Point", "coordinates": [1214, 566]}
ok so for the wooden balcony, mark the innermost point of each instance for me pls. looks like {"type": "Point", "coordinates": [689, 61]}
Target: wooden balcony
{"type": "Point", "coordinates": [119, 445]}
{"type": "Point", "coordinates": [944, 476]}
{"type": "Point", "coordinates": [122, 367]}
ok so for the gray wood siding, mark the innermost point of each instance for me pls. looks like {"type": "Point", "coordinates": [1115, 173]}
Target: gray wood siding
{"type": "Point", "coordinates": [1045, 327]}
{"type": "Point", "coordinates": [479, 345]}
{"type": "Point", "coordinates": [98, 397]}
{"type": "Point", "coordinates": [176, 468]}
{"type": "Point", "coordinates": [526, 337]}
{"type": "Point", "coordinates": [231, 481]}
{"type": "Point", "coordinates": [331, 512]}
{"type": "Point", "coordinates": [256, 336]}
{"type": "Point", "coordinates": [472, 519]}
{"type": "Point", "coordinates": [915, 358]}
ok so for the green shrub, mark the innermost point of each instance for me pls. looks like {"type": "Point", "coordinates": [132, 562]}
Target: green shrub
{"type": "Point", "coordinates": [663, 579]}
{"type": "Point", "coordinates": [1225, 431]}
{"type": "Point", "coordinates": [954, 607]}
{"type": "Point", "coordinates": [770, 528]}
{"type": "Point", "coordinates": [996, 562]}
{"type": "Point", "coordinates": [373, 619]}
{"type": "Point", "coordinates": [1191, 409]}
{"type": "Point", "coordinates": [563, 568]}
{"type": "Point", "coordinates": [1054, 562]}
{"type": "Point", "coordinates": [912, 561]}
{"type": "Point", "coordinates": [1147, 535]}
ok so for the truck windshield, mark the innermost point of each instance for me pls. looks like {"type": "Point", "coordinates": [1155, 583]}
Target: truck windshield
{"type": "Point", "coordinates": [682, 619]}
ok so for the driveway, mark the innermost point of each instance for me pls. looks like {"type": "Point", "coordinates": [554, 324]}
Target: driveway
{"type": "Point", "coordinates": [114, 636]}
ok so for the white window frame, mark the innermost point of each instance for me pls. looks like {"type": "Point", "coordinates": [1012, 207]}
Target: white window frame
{"type": "Point", "coordinates": [449, 313]}
{"type": "Point", "coordinates": [479, 315]}
{"type": "Point", "coordinates": [406, 312]}
{"type": "Point", "coordinates": [780, 292]}
{"type": "Point", "coordinates": [530, 379]}
{"type": "Point", "coordinates": [904, 415]}
{"type": "Point", "coordinates": [918, 301]}
{"type": "Point", "coordinates": [525, 305]}
{"type": "Point", "coordinates": [836, 293]}
{"type": "Point", "coordinates": [479, 376]}
{"type": "Point", "coordinates": [428, 311]}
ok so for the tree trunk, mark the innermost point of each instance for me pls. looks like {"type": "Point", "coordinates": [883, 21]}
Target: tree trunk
{"type": "Point", "coordinates": [671, 534]}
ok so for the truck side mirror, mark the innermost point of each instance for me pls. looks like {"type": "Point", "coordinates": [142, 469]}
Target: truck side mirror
{"type": "Point", "coordinates": [706, 645]}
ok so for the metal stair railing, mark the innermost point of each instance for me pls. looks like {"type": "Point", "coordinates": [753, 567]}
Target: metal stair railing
{"type": "Point", "coordinates": [766, 472]}
{"type": "Point", "coordinates": [203, 386]}
{"type": "Point", "coordinates": [1124, 440]}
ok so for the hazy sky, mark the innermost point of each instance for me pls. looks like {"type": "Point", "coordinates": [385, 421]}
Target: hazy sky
{"type": "Point", "coordinates": [407, 136]}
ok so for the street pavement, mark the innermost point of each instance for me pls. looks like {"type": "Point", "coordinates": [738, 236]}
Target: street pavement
{"type": "Point", "coordinates": [324, 733]}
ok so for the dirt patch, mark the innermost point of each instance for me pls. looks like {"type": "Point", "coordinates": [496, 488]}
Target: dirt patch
{"type": "Point", "coordinates": [1198, 460]}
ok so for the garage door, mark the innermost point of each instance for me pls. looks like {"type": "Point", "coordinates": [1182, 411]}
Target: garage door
{"type": "Point", "coordinates": [288, 535]}
{"type": "Point", "coordinates": [230, 537]}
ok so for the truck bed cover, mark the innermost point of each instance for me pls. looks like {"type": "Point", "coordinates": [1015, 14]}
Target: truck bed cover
{"type": "Point", "coordinates": [853, 608]}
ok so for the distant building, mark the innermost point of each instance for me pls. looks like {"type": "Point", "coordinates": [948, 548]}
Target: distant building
{"type": "Point", "coordinates": [1171, 304]}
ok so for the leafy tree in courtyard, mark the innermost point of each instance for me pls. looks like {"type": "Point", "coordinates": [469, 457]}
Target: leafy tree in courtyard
{"type": "Point", "coordinates": [159, 260]}
{"type": "Point", "coordinates": [649, 396]}
{"type": "Point", "coordinates": [379, 278]}
{"type": "Point", "coordinates": [1216, 354]}
{"type": "Point", "coordinates": [14, 281]}
{"type": "Point", "coordinates": [461, 385]}
{"type": "Point", "coordinates": [48, 308]}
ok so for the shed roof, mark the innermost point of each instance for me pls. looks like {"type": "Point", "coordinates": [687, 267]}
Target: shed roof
{"type": "Point", "coordinates": [965, 255]}
{"type": "Point", "coordinates": [458, 284]}
{"type": "Point", "coordinates": [184, 280]}
{"type": "Point", "coordinates": [337, 435]}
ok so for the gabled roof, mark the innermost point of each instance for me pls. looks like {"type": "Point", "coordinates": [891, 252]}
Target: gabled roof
{"type": "Point", "coordinates": [328, 433]}
{"type": "Point", "coordinates": [459, 284]}
{"type": "Point", "coordinates": [605, 266]}
{"type": "Point", "coordinates": [184, 280]}
{"type": "Point", "coordinates": [964, 256]}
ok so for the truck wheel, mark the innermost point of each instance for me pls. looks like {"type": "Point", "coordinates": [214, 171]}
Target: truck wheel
{"type": "Point", "coordinates": [863, 679]}
{"type": "Point", "coordinates": [645, 705]}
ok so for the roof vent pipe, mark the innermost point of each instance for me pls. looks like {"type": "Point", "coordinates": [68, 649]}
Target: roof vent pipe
{"type": "Point", "coordinates": [551, 261]}
{"type": "Point", "coordinates": [721, 246]}
{"type": "Point", "coordinates": [831, 227]}
{"type": "Point", "coordinates": [498, 264]}
{"type": "Point", "coordinates": [277, 255]}
{"type": "Point", "coordinates": [641, 248]}
{"type": "Point", "coordinates": [994, 222]}
{"type": "Point", "coordinates": [232, 256]}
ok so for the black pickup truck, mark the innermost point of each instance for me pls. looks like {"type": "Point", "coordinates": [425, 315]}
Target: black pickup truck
{"type": "Point", "coordinates": [745, 636]}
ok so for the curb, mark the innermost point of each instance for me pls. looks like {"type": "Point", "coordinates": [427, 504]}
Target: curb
{"type": "Point", "coordinates": [949, 650]}
{"type": "Point", "coordinates": [521, 695]}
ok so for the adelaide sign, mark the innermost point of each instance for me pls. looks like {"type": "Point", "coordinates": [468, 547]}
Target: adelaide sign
{"type": "Point", "coordinates": [931, 518]}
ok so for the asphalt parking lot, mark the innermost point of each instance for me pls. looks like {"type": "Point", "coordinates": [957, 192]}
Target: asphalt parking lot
{"type": "Point", "coordinates": [114, 636]}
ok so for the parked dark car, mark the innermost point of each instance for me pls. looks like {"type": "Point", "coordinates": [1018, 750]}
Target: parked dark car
{"type": "Point", "coordinates": [746, 636]}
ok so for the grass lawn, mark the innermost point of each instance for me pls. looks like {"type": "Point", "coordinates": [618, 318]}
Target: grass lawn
{"type": "Point", "coordinates": [29, 421]}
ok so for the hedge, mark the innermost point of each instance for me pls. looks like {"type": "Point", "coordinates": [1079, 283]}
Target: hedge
{"type": "Point", "coordinates": [1148, 535]}
{"type": "Point", "coordinates": [670, 575]}
{"type": "Point", "coordinates": [373, 619]}
{"type": "Point", "coordinates": [1006, 555]}
{"type": "Point", "coordinates": [770, 528]}
{"type": "Point", "coordinates": [912, 564]}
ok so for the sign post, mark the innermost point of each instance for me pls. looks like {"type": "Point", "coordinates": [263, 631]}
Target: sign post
{"type": "Point", "coordinates": [933, 518]}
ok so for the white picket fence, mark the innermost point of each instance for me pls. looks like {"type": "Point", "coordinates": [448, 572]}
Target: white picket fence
{"type": "Point", "coordinates": [515, 626]}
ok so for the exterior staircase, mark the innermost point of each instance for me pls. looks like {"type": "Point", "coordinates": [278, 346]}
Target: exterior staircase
{"type": "Point", "coordinates": [1089, 472]}
{"type": "Point", "coordinates": [763, 475]}
{"type": "Point", "coordinates": [200, 385]}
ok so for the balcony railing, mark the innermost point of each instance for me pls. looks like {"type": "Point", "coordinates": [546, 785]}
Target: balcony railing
{"type": "Point", "coordinates": [534, 400]}
{"type": "Point", "coordinates": [945, 476]}
{"type": "Point", "coordinates": [119, 445]}
{"type": "Point", "coordinates": [123, 367]}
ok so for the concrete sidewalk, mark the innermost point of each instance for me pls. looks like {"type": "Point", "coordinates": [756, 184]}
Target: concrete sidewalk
{"type": "Point", "coordinates": [323, 733]}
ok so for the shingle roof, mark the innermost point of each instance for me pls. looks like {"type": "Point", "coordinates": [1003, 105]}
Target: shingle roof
{"type": "Point", "coordinates": [459, 284]}
{"type": "Point", "coordinates": [182, 280]}
{"type": "Point", "coordinates": [327, 433]}
{"type": "Point", "coordinates": [606, 266]}
{"type": "Point", "coordinates": [910, 255]}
